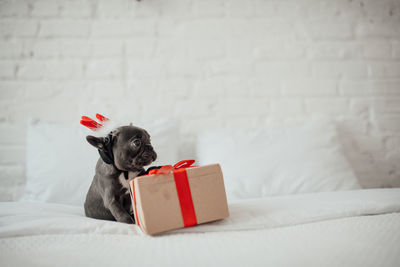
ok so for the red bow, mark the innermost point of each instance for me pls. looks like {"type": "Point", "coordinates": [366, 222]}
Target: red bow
{"type": "Point", "coordinates": [168, 168]}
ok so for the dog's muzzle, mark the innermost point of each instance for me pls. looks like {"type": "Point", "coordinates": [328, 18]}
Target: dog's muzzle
{"type": "Point", "coordinates": [147, 157]}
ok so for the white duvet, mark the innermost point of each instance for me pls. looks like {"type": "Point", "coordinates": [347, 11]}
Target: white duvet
{"type": "Point", "coordinates": [347, 228]}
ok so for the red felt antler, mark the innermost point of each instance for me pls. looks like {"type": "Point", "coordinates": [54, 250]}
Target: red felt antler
{"type": "Point", "coordinates": [92, 124]}
{"type": "Point", "coordinates": [101, 117]}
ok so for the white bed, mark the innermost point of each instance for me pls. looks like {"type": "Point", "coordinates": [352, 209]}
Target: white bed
{"type": "Point", "coordinates": [346, 228]}
{"type": "Point", "coordinates": [296, 203]}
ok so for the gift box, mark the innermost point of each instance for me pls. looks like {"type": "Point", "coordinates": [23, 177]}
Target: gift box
{"type": "Point", "coordinates": [178, 196]}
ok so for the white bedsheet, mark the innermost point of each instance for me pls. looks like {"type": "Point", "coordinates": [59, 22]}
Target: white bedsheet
{"type": "Point", "coordinates": [328, 229]}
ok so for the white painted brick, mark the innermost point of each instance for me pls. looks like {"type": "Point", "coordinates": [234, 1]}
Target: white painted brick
{"type": "Point", "coordinates": [237, 86]}
{"type": "Point", "coordinates": [241, 122]}
{"type": "Point", "coordinates": [189, 68]}
{"type": "Point", "coordinates": [147, 69]}
{"type": "Point", "coordinates": [43, 90]}
{"type": "Point", "coordinates": [228, 67]}
{"type": "Point", "coordinates": [380, 10]}
{"type": "Point", "coordinates": [389, 123]}
{"type": "Point", "coordinates": [264, 8]}
{"type": "Point", "coordinates": [114, 9]}
{"type": "Point", "coordinates": [12, 155]}
{"type": "Point", "coordinates": [360, 107]}
{"type": "Point", "coordinates": [9, 174]}
{"type": "Point", "coordinates": [105, 48]}
{"type": "Point", "coordinates": [64, 28]}
{"type": "Point", "coordinates": [204, 29]}
{"type": "Point", "coordinates": [141, 88]}
{"type": "Point", "coordinates": [244, 48]}
{"type": "Point", "coordinates": [396, 50]}
{"type": "Point", "coordinates": [227, 63]}
{"type": "Point", "coordinates": [180, 87]}
{"type": "Point", "coordinates": [9, 193]}
{"type": "Point", "coordinates": [290, 9]}
{"type": "Point", "coordinates": [11, 8]}
{"type": "Point", "coordinates": [59, 92]}
{"type": "Point", "coordinates": [77, 48]}
{"type": "Point", "coordinates": [258, 28]}
{"type": "Point", "coordinates": [387, 105]}
{"type": "Point", "coordinates": [337, 70]}
{"type": "Point", "coordinates": [169, 49]}
{"type": "Point", "coordinates": [325, 30]}
{"type": "Point", "coordinates": [7, 69]}
{"type": "Point", "coordinates": [104, 69]}
{"type": "Point", "coordinates": [368, 29]}
{"type": "Point", "coordinates": [208, 49]}
{"type": "Point", "coordinates": [150, 10]}
{"type": "Point", "coordinates": [377, 50]}
{"type": "Point", "coordinates": [264, 87]}
{"type": "Point", "coordinates": [123, 28]}
{"type": "Point", "coordinates": [286, 70]}
{"type": "Point", "coordinates": [108, 89]}
{"type": "Point", "coordinates": [327, 10]}
{"type": "Point", "coordinates": [53, 111]}
{"type": "Point", "coordinates": [20, 27]}
{"type": "Point", "coordinates": [175, 9]}
{"type": "Point", "coordinates": [45, 8]}
{"type": "Point", "coordinates": [208, 8]}
{"type": "Point", "coordinates": [11, 91]}
{"type": "Point", "coordinates": [58, 48]}
{"type": "Point", "coordinates": [332, 106]}
{"type": "Point", "coordinates": [43, 49]}
{"type": "Point", "coordinates": [309, 87]}
{"type": "Point", "coordinates": [167, 27]}
{"type": "Point", "coordinates": [52, 70]}
{"type": "Point", "coordinates": [384, 69]}
{"type": "Point", "coordinates": [333, 50]}
{"type": "Point", "coordinates": [13, 134]}
{"type": "Point", "coordinates": [142, 48]}
{"type": "Point", "coordinates": [76, 8]}
{"type": "Point", "coordinates": [236, 8]}
{"type": "Point", "coordinates": [242, 107]}
{"type": "Point", "coordinates": [212, 87]}
{"type": "Point", "coordinates": [287, 106]}
{"type": "Point", "coordinates": [353, 123]}
{"type": "Point", "coordinates": [194, 107]}
{"type": "Point", "coordinates": [280, 50]}
{"type": "Point", "coordinates": [370, 88]}
{"type": "Point", "coordinates": [31, 70]}
{"type": "Point", "coordinates": [392, 143]}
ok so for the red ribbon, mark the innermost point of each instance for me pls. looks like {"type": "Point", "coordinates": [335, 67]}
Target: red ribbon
{"type": "Point", "coordinates": [168, 168]}
{"type": "Point", "coordinates": [182, 188]}
{"type": "Point", "coordinates": [185, 197]}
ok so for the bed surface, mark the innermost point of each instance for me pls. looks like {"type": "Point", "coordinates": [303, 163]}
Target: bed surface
{"type": "Point", "coordinates": [346, 228]}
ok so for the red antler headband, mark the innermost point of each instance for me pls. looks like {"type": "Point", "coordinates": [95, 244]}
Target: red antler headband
{"type": "Point", "coordinates": [92, 124]}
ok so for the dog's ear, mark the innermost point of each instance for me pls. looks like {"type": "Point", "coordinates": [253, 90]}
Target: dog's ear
{"type": "Point", "coordinates": [97, 142]}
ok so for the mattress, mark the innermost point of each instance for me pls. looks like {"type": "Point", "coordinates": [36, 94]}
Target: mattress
{"type": "Point", "coordinates": [346, 228]}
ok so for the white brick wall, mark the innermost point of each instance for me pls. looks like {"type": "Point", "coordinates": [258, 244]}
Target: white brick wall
{"type": "Point", "coordinates": [227, 62]}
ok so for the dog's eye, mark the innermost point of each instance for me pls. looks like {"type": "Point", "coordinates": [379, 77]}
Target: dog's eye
{"type": "Point", "coordinates": [136, 143]}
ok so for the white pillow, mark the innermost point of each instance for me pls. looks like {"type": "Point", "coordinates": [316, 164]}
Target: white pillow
{"type": "Point", "coordinates": [278, 160]}
{"type": "Point", "coordinates": [61, 164]}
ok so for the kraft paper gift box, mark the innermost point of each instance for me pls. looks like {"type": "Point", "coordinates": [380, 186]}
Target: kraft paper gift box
{"type": "Point", "coordinates": [178, 196]}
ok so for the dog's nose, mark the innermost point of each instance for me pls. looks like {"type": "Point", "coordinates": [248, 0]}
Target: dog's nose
{"type": "Point", "coordinates": [149, 148]}
{"type": "Point", "coordinates": [154, 156]}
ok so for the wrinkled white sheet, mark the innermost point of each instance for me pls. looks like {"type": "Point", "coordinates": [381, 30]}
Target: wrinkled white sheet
{"type": "Point", "coordinates": [21, 219]}
{"type": "Point", "coordinates": [326, 229]}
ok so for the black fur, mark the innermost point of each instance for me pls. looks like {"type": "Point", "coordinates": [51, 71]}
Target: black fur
{"type": "Point", "coordinates": [127, 149]}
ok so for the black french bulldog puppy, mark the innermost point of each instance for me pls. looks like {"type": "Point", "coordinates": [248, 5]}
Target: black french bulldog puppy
{"type": "Point", "coordinates": [123, 154]}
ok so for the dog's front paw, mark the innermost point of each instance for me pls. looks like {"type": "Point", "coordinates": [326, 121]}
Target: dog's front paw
{"type": "Point", "coordinates": [126, 218]}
